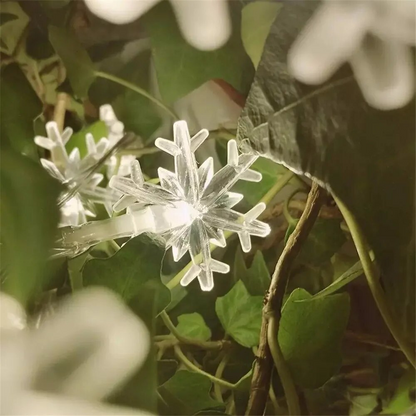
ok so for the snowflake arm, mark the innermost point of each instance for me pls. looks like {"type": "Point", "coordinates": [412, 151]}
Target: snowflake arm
{"type": "Point", "coordinates": [68, 168]}
{"type": "Point", "coordinates": [191, 208]}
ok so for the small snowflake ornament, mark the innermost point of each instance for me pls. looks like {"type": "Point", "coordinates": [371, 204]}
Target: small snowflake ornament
{"type": "Point", "coordinates": [66, 168]}
{"type": "Point", "coordinates": [191, 208]}
{"type": "Point", "coordinates": [115, 165]}
{"type": "Point", "coordinates": [74, 360]}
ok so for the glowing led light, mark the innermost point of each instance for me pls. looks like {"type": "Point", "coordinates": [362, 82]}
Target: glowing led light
{"type": "Point", "coordinates": [191, 208]}
{"type": "Point", "coordinates": [65, 168]}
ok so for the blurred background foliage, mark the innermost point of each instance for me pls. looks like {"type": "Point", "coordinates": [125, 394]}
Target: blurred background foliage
{"type": "Point", "coordinates": [60, 61]}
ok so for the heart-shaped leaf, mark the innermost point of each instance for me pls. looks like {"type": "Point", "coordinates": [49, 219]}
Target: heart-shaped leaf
{"type": "Point", "coordinates": [240, 315]}
{"type": "Point", "coordinates": [29, 219]}
{"type": "Point", "coordinates": [133, 272]}
{"type": "Point", "coordinates": [79, 66]}
{"type": "Point", "coordinates": [193, 326]}
{"type": "Point", "coordinates": [181, 68]}
{"type": "Point", "coordinates": [256, 278]}
{"type": "Point", "coordinates": [310, 334]}
{"type": "Point", "coordinates": [187, 393]}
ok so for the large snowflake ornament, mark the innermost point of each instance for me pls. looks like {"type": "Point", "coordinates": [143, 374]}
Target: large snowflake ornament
{"type": "Point", "coordinates": [67, 168]}
{"type": "Point", "coordinates": [191, 208]}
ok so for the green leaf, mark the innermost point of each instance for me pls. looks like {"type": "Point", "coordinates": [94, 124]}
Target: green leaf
{"type": "Point", "coordinates": [19, 107]}
{"type": "Point", "coordinates": [192, 325]}
{"type": "Point", "coordinates": [7, 17]}
{"type": "Point", "coordinates": [256, 278]}
{"type": "Point", "coordinates": [256, 21]}
{"type": "Point", "coordinates": [240, 315]}
{"type": "Point", "coordinates": [310, 335]}
{"type": "Point", "coordinates": [140, 391]}
{"type": "Point", "coordinates": [324, 240]}
{"type": "Point", "coordinates": [187, 393]}
{"type": "Point", "coordinates": [97, 129]}
{"type": "Point", "coordinates": [133, 272]}
{"type": "Point", "coordinates": [254, 191]}
{"type": "Point", "coordinates": [351, 274]}
{"type": "Point", "coordinates": [245, 382]}
{"type": "Point", "coordinates": [79, 66]}
{"type": "Point", "coordinates": [181, 68]}
{"type": "Point", "coordinates": [37, 44]}
{"type": "Point", "coordinates": [401, 402]}
{"type": "Point", "coordinates": [363, 405]}
{"type": "Point", "coordinates": [328, 132]}
{"type": "Point", "coordinates": [137, 112]}
{"type": "Point", "coordinates": [29, 219]}
{"type": "Point", "coordinates": [11, 33]}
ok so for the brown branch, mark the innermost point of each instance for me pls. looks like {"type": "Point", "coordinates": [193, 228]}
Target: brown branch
{"type": "Point", "coordinates": [273, 300]}
{"type": "Point", "coordinates": [298, 205]}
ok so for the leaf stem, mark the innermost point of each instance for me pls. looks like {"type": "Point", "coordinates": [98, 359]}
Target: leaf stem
{"type": "Point", "coordinates": [290, 220]}
{"type": "Point", "coordinates": [282, 369]}
{"type": "Point", "coordinates": [220, 369]}
{"type": "Point", "coordinates": [372, 275]}
{"type": "Point", "coordinates": [137, 89]}
{"type": "Point", "coordinates": [262, 371]}
{"type": "Point", "coordinates": [191, 366]}
{"type": "Point", "coordinates": [207, 345]}
{"type": "Point", "coordinates": [277, 187]}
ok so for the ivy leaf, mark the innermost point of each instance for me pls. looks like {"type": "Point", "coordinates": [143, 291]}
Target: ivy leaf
{"type": "Point", "coordinates": [20, 106]}
{"type": "Point", "coordinates": [98, 131]}
{"type": "Point", "coordinates": [137, 112]}
{"type": "Point", "coordinates": [7, 17]}
{"type": "Point", "coordinates": [256, 21]}
{"type": "Point", "coordinates": [245, 382]}
{"type": "Point", "coordinates": [133, 272]}
{"type": "Point", "coordinates": [351, 274]}
{"type": "Point", "coordinates": [37, 45]}
{"type": "Point", "coordinates": [324, 240]}
{"type": "Point", "coordinates": [79, 66]}
{"type": "Point", "coordinates": [240, 315]}
{"type": "Point", "coordinates": [310, 335]}
{"type": "Point", "coordinates": [192, 325]}
{"type": "Point", "coordinates": [256, 278]}
{"type": "Point", "coordinates": [254, 191]}
{"type": "Point", "coordinates": [401, 403]}
{"type": "Point", "coordinates": [364, 156]}
{"type": "Point", "coordinates": [187, 393]}
{"type": "Point", "coordinates": [181, 68]}
{"type": "Point", "coordinates": [29, 219]}
{"type": "Point", "coordinates": [11, 33]}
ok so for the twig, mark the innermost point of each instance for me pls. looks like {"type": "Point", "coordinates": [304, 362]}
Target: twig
{"type": "Point", "coordinates": [299, 205]}
{"type": "Point", "coordinates": [272, 306]}
{"type": "Point", "coordinates": [372, 275]}
{"type": "Point", "coordinates": [60, 108]}
{"type": "Point", "coordinates": [366, 339]}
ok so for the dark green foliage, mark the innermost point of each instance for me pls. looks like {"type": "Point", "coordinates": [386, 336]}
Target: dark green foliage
{"type": "Point", "coordinates": [29, 218]}
{"type": "Point", "coordinates": [365, 156]}
{"type": "Point", "coordinates": [340, 356]}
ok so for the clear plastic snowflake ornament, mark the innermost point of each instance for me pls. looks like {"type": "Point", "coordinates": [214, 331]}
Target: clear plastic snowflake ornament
{"type": "Point", "coordinates": [67, 168]}
{"type": "Point", "coordinates": [191, 208]}
{"type": "Point", "coordinates": [115, 165]}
